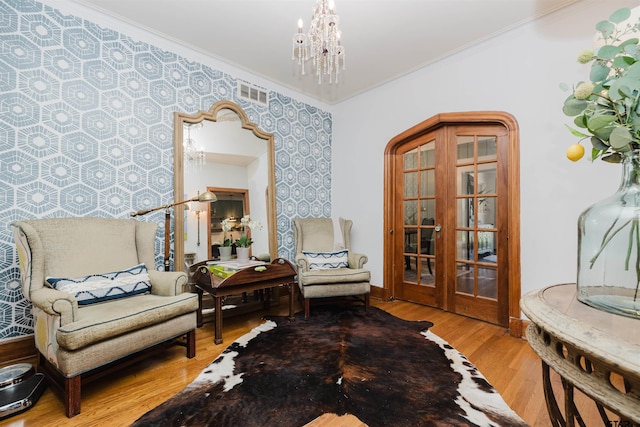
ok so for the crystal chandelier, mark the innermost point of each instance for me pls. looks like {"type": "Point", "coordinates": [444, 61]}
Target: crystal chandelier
{"type": "Point", "coordinates": [322, 43]}
{"type": "Point", "coordinates": [194, 157]}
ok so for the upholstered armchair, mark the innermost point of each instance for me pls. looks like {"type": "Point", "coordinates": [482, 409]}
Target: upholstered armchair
{"type": "Point", "coordinates": [97, 297]}
{"type": "Point", "coordinates": [326, 271]}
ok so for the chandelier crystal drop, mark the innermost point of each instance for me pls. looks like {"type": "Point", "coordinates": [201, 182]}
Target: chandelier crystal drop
{"type": "Point", "coordinates": [321, 44]}
{"type": "Point", "coordinates": [194, 157]}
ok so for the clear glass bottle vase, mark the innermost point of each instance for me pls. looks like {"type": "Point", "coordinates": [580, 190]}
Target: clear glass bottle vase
{"type": "Point", "coordinates": [609, 246]}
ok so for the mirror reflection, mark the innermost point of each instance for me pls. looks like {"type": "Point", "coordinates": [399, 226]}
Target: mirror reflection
{"type": "Point", "coordinates": [225, 219]}
{"type": "Point", "coordinates": [222, 152]}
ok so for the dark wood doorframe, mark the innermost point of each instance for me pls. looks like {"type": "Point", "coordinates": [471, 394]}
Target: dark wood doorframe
{"type": "Point", "coordinates": [392, 187]}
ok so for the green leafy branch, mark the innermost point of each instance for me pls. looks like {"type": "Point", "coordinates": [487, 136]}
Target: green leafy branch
{"type": "Point", "coordinates": [607, 107]}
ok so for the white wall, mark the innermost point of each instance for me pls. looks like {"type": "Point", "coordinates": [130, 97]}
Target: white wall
{"type": "Point", "coordinates": [518, 72]}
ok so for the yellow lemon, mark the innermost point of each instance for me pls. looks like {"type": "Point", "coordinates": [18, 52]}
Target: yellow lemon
{"type": "Point", "coordinates": [575, 152]}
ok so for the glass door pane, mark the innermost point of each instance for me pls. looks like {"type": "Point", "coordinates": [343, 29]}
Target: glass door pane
{"type": "Point", "coordinates": [476, 194]}
{"type": "Point", "coordinates": [427, 197]}
{"type": "Point", "coordinates": [419, 214]}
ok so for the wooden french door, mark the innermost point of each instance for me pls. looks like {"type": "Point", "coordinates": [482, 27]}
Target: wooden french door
{"type": "Point", "coordinates": [419, 216]}
{"type": "Point", "coordinates": [450, 208]}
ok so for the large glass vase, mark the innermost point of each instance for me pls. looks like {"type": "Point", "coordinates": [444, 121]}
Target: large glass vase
{"type": "Point", "coordinates": [609, 246]}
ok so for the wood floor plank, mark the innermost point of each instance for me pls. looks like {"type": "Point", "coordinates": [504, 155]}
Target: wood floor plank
{"type": "Point", "coordinates": [118, 399]}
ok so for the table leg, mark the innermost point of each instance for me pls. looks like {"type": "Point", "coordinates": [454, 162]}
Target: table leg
{"type": "Point", "coordinates": [292, 301]}
{"type": "Point", "coordinates": [199, 312]}
{"type": "Point", "coordinates": [267, 299]}
{"type": "Point", "coordinates": [218, 326]}
{"type": "Point", "coordinates": [568, 403]}
{"type": "Point", "coordinates": [555, 416]}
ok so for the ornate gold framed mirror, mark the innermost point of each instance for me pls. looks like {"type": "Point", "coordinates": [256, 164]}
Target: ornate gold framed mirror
{"type": "Point", "coordinates": [226, 143]}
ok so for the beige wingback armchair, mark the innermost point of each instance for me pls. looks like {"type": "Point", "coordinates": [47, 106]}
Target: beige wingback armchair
{"type": "Point", "coordinates": [323, 270]}
{"type": "Point", "coordinates": [75, 334]}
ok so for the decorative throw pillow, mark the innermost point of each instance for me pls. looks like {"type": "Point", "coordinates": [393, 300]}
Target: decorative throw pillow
{"type": "Point", "coordinates": [326, 260]}
{"type": "Point", "coordinates": [104, 287]}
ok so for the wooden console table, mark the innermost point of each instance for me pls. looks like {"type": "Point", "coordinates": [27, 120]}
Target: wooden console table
{"type": "Point", "coordinates": [592, 350]}
{"type": "Point", "coordinates": [252, 278]}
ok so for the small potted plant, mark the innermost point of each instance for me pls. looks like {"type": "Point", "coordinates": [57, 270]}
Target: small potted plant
{"type": "Point", "coordinates": [225, 249]}
{"type": "Point", "coordinates": [244, 242]}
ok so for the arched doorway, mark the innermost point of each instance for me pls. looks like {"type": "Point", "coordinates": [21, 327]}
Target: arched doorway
{"type": "Point", "coordinates": [452, 215]}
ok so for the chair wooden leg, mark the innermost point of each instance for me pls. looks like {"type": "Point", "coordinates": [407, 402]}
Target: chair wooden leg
{"type": "Point", "coordinates": [366, 301]}
{"type": "Point", "coordinates": [191, 344]}
{"type": "Point", "coordinates": [72, 395]}
{"type": "Point", "coordinates": [307, 307]}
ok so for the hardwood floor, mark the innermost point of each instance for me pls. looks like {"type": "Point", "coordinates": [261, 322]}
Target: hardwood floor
{"type": "Point", "coordinates": [121, 397]}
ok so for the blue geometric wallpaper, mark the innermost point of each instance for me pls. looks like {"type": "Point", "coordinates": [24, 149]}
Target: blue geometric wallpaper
{"type": "Point", "coordinates": [86, 129]}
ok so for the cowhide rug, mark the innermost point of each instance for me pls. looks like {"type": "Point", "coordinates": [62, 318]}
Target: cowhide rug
{"type": "Point", "coordinates": [384, 370]}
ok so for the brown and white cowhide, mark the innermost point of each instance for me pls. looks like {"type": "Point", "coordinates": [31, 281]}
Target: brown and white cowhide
{"type": "Point", "coordinates": [384, 370]}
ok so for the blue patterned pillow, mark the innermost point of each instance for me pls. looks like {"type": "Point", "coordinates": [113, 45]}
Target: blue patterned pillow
{"type": "Point", "coordinates": [106, 286]}
{"type": "Point", "coordinates": [327, 260]}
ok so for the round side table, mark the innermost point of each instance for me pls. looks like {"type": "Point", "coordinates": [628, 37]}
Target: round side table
{"type": "Point", "coordinates": [587, 348]}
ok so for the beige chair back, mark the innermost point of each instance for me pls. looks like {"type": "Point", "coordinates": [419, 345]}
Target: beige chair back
{"type": "Point", "coordinates": [313, 234]}
{"type": "Point", "coordinates": [75, 247]}
{"type": "Point", "coordinates": [316, 234]}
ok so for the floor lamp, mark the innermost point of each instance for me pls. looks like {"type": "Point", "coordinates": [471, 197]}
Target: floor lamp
{"type": "Point", "coordinates": [198, 211]}
{"type": "Point", "coordinates": [207, 196]}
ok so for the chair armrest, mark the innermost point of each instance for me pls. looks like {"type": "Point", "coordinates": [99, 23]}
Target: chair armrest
{"type": "Point", "coordinates": [167, 283]}
{"type": "Point", "coordinates": [302, 262]}
{"type": "Point", "coordinates": [357, 260]}
{"type": "Point", "coordinates": [56, 303]}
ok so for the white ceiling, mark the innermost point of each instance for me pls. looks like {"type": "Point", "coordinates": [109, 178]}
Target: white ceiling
{"type": "Point", "coordinates": [383, 39]}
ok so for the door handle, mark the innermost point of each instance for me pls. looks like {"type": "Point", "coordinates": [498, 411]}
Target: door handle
{"type": "Point", "coordinates": [438, 228]}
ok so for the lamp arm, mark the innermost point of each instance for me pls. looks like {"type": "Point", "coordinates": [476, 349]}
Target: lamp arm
{"type": "Point", "coordinates": [146, 211]}
{"type": "Point", "coordinates": [207, 196]}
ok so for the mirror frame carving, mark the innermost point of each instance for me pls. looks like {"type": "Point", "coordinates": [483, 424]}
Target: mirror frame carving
{"type": "Point", "coordinates": [179, 119]}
